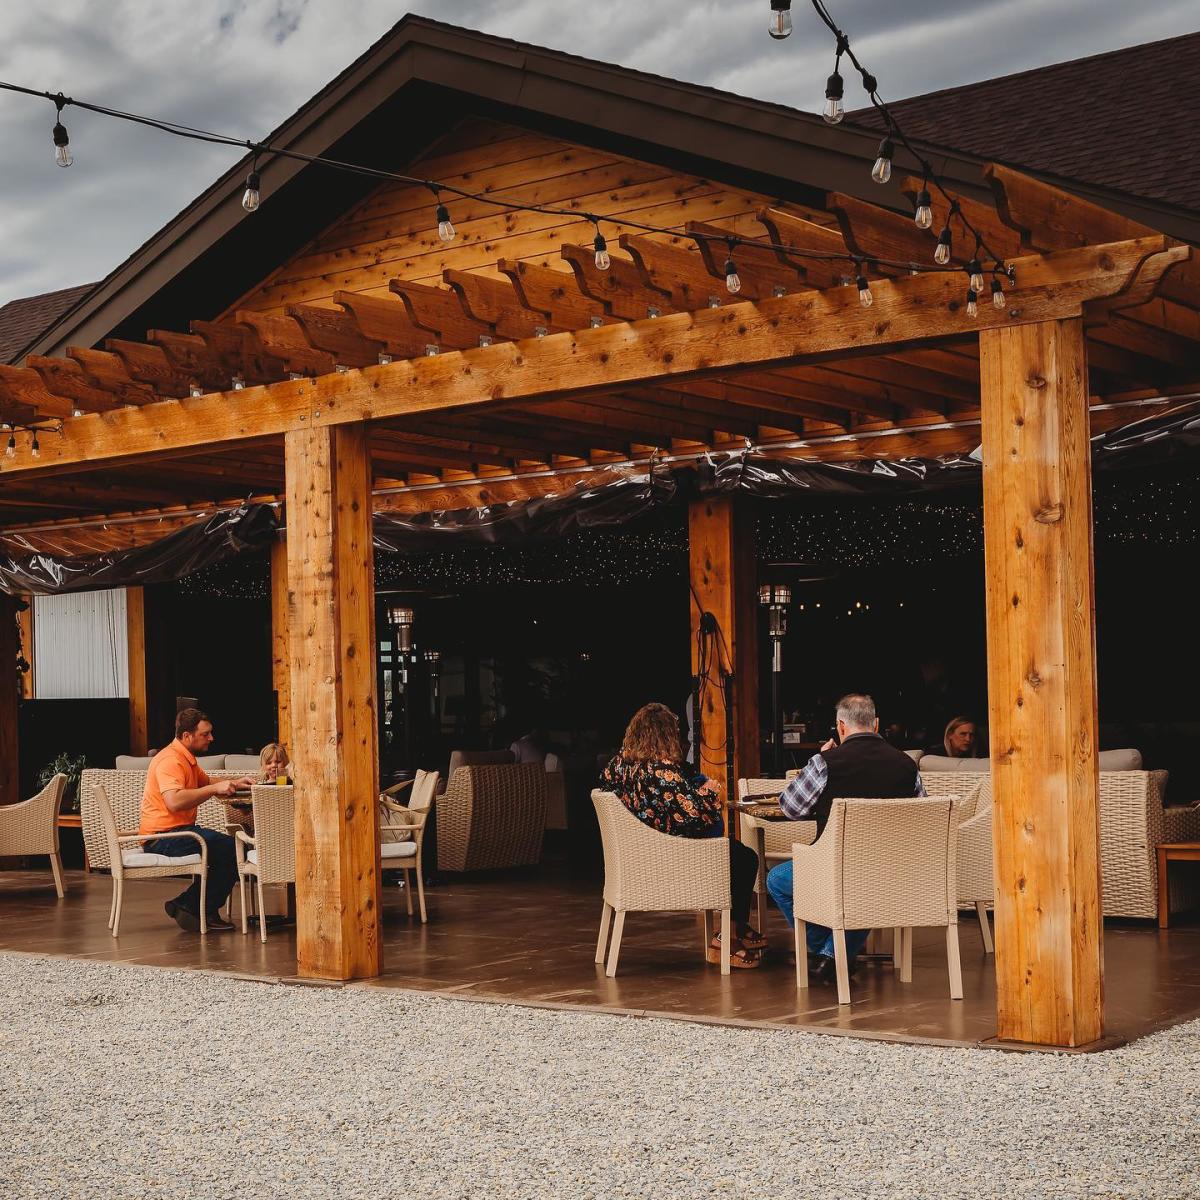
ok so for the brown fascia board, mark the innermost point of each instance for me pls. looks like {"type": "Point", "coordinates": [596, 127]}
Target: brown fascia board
{"type": "Point", "coordinates": [725, 136]}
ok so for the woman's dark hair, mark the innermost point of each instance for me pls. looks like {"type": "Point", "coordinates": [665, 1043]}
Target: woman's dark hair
{"type": "Point", "coordinates": [187, 720]}
{"type": "Point", "coordinates": [652, 736]}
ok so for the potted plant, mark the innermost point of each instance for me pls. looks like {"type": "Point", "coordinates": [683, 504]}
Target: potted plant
{"type": "Point", "coordinates": [70, 765]}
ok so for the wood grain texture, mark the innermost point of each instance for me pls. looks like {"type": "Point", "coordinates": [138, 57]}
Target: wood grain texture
{"type": "Point", "coordinates": [782, 331]}
{"type": "Point", "coordinates": [1042, 683]}
{"type": "Point", "coordinates": [135, 617]}
{"type": "Point", "coordinates": [281, 668]}
{"type": "Point", "coordinates": [25, 625]}
{"type": "Point", "coordinates": [331, 634]}
{"type": "Point", "coordinates": [722, 577]}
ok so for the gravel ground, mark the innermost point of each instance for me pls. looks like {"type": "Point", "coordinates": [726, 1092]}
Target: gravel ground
{"type": "Point", "coordinates": [119, 1081]}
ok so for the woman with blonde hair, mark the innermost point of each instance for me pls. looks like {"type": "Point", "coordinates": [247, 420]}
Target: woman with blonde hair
{"type": "Point", "coordinates": [959, 740]}
{"type": "Point", "coordinates": [653, 781]}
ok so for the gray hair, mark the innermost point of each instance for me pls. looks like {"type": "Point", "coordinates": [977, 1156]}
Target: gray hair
{"type": "Point", "coordinates": [856, 711]}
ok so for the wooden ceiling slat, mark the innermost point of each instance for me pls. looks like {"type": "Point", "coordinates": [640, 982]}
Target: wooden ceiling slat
{"type": "Point", "coordinates": [284, 339]}
{"type": "Point", "coordinates": [621, 289]}
{"type": "Point", "coordinates": [762, 264]}
{"type": "Point", "coordinates": [554, 293]}
{"type": "Point", "coordinates": [873, 232]}
{"type": "Point", "coordinates": [493, 301]}
{"type": "Point", "coordinates": [238, 351]}
{"type": "Point", "coordinates": [150, 365]}
{"type": "Point", "coordinates": [683, 275]}
{"type": "Point", "coordinates": [386, 321]}
{"type": "Point", "coordinates": [107, 371]}
{"type": "Point", "coordinates": [191, 355]}
{"type": "Point", "coordinates": [66, 380]}
{"type": "Point", "coordinates": [335, 332]}
{"type": "Point", "coordinates": [784, 228]}
{"type": "Point", "coordinates": [439, 312]}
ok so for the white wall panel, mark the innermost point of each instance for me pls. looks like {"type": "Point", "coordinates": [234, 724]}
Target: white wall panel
{"type": "Point", "coordinates": [81, 646]}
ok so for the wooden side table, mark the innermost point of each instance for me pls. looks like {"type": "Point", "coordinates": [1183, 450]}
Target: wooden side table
{"type": "Point", "coordinates": [1171, 852]}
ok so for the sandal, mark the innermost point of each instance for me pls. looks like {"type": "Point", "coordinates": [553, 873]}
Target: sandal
{"type": "Point", "coordinates": [753, 940]}
{"type": "Point", "coordinates": [741, 957]}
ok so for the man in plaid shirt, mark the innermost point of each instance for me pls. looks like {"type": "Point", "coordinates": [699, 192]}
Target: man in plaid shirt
{"type": "Point", "coordinates": [860, 764]}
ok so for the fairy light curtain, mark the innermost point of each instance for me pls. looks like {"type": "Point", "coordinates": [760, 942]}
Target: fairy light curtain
{"type": "Point", "coordinates": [81, 646]}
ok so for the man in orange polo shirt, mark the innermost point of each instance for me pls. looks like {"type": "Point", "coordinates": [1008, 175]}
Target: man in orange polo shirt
{"type": "Point", "coordinates": [175, 789]}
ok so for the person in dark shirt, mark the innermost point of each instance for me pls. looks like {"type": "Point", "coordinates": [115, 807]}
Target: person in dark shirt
{"type": "Point", "coordinates": [862, 766]}
{"type": "Point", "coordinates": [653, 781]}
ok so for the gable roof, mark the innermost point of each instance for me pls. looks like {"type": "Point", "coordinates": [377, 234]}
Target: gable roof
{"type": "Point", "coordinates": [411, 87]}
{"type": "Point", "coordinates": [1123, 120]}
{"type": "Point", "coordinates": [23, 320]}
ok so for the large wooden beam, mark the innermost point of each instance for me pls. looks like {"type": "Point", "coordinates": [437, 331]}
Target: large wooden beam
{"type": "Point", "coordinates": [25, 626]}
{"type": "Point", "coordinates": [1042, 683]}
{"type": "Point", "coordinates": [10, 694]}
{"type": "Point", "coordinates": [135, 620]}
{"type": "Point", "coordinates": [722, 576]}
{"type": "Point", "coordinates": [780, 331]}
{"type": "Point", "coordinates": [331, 635]}
{"type": "Point", "coordinates": [281, 670]}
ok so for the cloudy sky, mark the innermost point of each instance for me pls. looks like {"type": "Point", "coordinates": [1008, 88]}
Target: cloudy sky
{"type": "Point", "coordinates": [242, 66]}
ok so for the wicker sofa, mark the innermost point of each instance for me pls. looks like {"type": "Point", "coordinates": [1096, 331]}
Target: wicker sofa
{"type": "Point", "coordinates": [492, 816]}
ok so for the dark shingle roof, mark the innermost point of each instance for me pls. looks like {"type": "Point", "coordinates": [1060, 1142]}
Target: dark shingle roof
{"type": "Point", "coordinates": [22, 320]}
{"type": "Point", "coordinates": [1125, 120]}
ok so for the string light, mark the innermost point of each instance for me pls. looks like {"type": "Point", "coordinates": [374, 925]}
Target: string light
{"type": "Point", "coordinates": [881, 172]}
{"type": "Point", "coordinates": [733, 281]}
{"type": "Point", "coordinates": [997, 293]}
{"type": "Point", "coordinates": [76, 411]}
{"type": "Point", "coordinates": [864, 291]}
{"type": "Point", "coordinates": [250, 197]}
{"type": "Point", "coordinates": [445, 226]}
{"type": "Point", "coordinates": [941, 254]}
{"type": "Point", "coordinates": [603, 261]}
{"type": "Point", "coordinates": [34, 448]}
{"type": "Point", "coordinates": [833, 111]}
{"type": "Point", "coordinates": [11, 449]}
{"type": "Point", "coordinates": [62, 143]}
{"type": "Point", "coordinates": [972, 302]}
{"type": "Point", "coordinates": [924, 214]}
{"type": "Point", "coordinates": [780, 25]}
{"type": "Point", "coordinates": [975, 271]}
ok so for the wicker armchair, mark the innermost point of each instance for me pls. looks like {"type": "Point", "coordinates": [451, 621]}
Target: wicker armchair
{"type": "Point", "coordinates": [966, 786]}
{"type": "Point", "coordinates": [270, 855]}
{"type": "Point", "coordinates": [772, 841]}
{"type": "Point", "coordinates": [492, 816]}
{"type": "Point", "coordinates": [402, 832]}
{"type": "Point", "coordinates": [648, 871]}
{"type": "Point", "coordinates": [31, 827]}
{"type": "Point", "coordinates": [880, 863]}
{"type": "Point", "coordinates": [124, 790]}
{"type": "Point", "coordinates": [127, 861]}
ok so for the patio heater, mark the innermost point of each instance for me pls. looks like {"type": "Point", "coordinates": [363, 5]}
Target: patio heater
{"type": "Point", "coordinates": [433, 662]}
{"type": "Point", "coordinates": [775, 597]}
{"type": "Point", "coordinates": [400, 616]}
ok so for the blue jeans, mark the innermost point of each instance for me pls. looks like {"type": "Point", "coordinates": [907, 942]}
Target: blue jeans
{"type": "Point", "coordinates": [222, 866]}
{"type": "Point", "coordinates": [820, 939]}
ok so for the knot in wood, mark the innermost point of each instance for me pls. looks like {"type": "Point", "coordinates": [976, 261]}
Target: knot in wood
{"type": "Point", "coordinates": [1049, 514]}
{"type": "Point", "coordinates": [1033, 679]}
{"type": "Point", "coordinates": [1037, 382]}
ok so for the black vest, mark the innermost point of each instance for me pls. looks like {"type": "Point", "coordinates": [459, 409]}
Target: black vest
{"type": "Point", "coordinates": [864, 766]}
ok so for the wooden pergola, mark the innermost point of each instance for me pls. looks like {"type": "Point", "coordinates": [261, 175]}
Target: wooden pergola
{"type": "Point", "coordinates": [419, 377]}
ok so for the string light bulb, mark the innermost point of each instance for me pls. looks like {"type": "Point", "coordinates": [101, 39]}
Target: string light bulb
{"type": "Point", "coordinates": [833, 111]}
{"type": "Point", "coordinates": [998, 293]}
{"type": "Point", "coordinates": [11, 449]}
{"type": "Point", "coordinates": [924, 214]}
{"type": "Point", "coordinates": [76, 411]}
{"type": "Point", "coordinates": [733, 281]}
{"type": "Point", "coordinates": [62, 143]}
{"type": "Point", "coordinates": [975, 271]}
{"type": "Point", "coordinates": [780, 25]}
{"type": "Point", "coordinates": [600, 245]}
{"type": "Point", "coordinates": [941, 254]}
{"type": "Point", "coordinates": [864, 291]}
{"type": "Point", "coordinates": [972, 302]}
{"type": "Point", "coordinates": [446, 232]}
{"type": "Point", "coordinates": [881, 172]}
{"type": "Point", "coordinates": [251, 197]}
{"type": "Point", "coordinates": [34, 448]}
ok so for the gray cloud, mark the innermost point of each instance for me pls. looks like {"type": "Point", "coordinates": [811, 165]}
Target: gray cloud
{"type": "Point", "coordinates": [242, 66]}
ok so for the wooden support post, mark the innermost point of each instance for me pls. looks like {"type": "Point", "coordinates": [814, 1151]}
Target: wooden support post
{"type": "Point", "coordinates": [1042, 683]}
{"type": "Point", "coordinates": [280, 663]}
{"type": "Point", "coordinates": [10, 694]}
{"type": "Point", "coordinates": [135, 621]}
{"type": "Point", "coordinates": [722, 576]}
{"type": "Point", "coordinates": [331, 637]}
{"type": "Point", "coordinates": [25, 624]}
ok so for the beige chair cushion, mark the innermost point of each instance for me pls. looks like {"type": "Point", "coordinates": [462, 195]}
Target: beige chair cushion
{"type": "Point", "coordinates": [1109, 760]}
{"type": "Point", "coordinates": [211, 762]}
{"type": "Point", "coordinates": [398, 850]}
{"type": "Point", "coordinates": [243, 762]}
{"type": "Point", "coordinates": [131, 762]}
{"type": "Point", "coordinates": [252, 856]}
{"type": "Point", "coordinates": [140, 858]}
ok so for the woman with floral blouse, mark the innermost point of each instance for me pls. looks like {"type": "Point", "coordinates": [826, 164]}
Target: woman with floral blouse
{"type": "Point", "coordinates": [658, 787]}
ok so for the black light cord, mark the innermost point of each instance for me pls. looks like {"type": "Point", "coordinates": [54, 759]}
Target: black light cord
{"type": "Point", "coordinates": [894, 130]}
{"type": "Point", "coordinates": [192, 133]}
